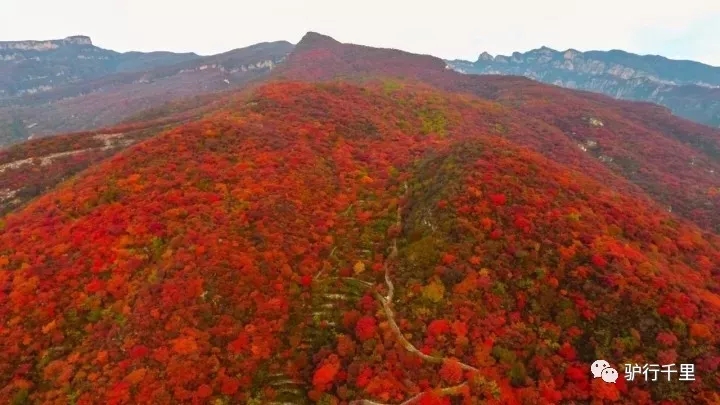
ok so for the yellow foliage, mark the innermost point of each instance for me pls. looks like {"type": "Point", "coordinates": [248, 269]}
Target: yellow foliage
{"type": "Point", "coordinates": [435, 291]}
{"type": "Point", "coordinates": [221, 188]}
{"type": "Point", "coordinates": [359, 267]}
{"type": "Point", "coordinates": [645, 269]}
{"type": "Point", "coordinates": [482, 355]}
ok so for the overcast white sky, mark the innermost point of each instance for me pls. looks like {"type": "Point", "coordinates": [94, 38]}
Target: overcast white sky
{"type": "Point", "coordinates": [687, 29]}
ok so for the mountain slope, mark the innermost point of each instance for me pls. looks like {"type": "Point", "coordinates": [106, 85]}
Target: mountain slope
{"type": "Point", "coordinates": [625, 144]}
{"type": "Point", "coordinates": [690, 89]}
{"type": "Point", "coordinates": [272, 251]}
{"type": "Point", "coordinates": [30, 169]}
{"type": "Point", "coordinates": [109, 97]}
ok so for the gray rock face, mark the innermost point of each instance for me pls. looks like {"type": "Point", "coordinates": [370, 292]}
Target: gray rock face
{"type": "Point", "coordinates": [690, 89]}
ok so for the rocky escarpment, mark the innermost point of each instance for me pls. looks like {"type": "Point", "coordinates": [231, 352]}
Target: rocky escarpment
{"type": "Point", "coordinates": [690, 89]}
{"type": "Point", "coordinates": [42, 46]}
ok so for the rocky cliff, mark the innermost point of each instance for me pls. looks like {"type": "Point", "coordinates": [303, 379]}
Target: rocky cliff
{"type": "Point", "coordinates": [690, 89]}
{"type": "Point", "coordinates": [42, 46]}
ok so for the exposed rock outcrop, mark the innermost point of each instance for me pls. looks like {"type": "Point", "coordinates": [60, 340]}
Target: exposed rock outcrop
{"type": "Point", "coordinates": [690, 89]}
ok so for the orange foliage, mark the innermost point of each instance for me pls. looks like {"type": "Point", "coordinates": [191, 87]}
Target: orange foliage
{"type": "Point", "coordinates": [184, 345]}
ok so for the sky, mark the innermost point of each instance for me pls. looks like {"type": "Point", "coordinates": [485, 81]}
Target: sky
{"type": "Point", "coordinates": [450, 29]}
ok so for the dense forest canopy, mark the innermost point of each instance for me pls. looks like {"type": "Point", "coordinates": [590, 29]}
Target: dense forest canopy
{"type": "Point", "coordinates": [342, 235]}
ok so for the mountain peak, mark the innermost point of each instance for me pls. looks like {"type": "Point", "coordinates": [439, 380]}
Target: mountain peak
{"type": "Point", "coordinates": [312, 38]}
{"type": "Point", "coordinates": [571, 53]}
{"type": "Point", "coordinates": [542, 50]}
{"type": "Point", "coordinates": [485, 57]}
{"type": "Point", "coordinates": [78, 40]}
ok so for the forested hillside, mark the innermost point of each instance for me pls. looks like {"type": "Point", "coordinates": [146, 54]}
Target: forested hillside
{"type": "Point", "coordinates": [673, 161]}
{"type": "Point", "coordinates": [367, 228]}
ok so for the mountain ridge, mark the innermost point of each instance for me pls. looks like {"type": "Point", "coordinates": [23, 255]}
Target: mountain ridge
{"type": "Point", "coordinates": [32, 67]}
{"type": "Point", "coordinates": [690, 89]}
{"type": "Point", "coordinates": [42, 45]}
{"type": "Point", "coordinates": [572, 52]}
{"type": "Point", "coordinates": [149, 81]}
{"type": "Point", "coordinates": [572, 120]}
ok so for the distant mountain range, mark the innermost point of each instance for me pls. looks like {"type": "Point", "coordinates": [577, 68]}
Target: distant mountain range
{"type": "Point", "coordinates": [690, 89]}
{"type": "Point", "coordinates": [54, 86]}
{"type": "Point", "coordinates": [31, 67]}
{"type": "Point", "coordinates": [63, 85]}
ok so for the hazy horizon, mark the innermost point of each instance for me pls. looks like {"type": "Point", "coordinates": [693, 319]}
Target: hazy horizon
{"type": "Point", "coordinates": [454, 31]}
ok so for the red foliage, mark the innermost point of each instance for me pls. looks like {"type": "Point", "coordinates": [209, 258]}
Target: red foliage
{"type": "Point", "coordinates": [326, 373]}
{"type": "Point", "coordinates": [365, 328]}
{"type": "Point", "coordinates": [306, 280]}
{"type": "Point", "coordinates": [498, 199]}
{"type": "Point", "coordinates": [575, 373]}
{"type": "Point", "coordinates": [364, 377]}
{"type": "Point", "coordinates": [550, 394]}
{"type": "Point", "coordinates": [229, 386]}
{"type": "Point", "coordinates": [438, 327]}
{"type": "Point", "coordinates": [139, 351]}
{"type": "Point", "coordinates": [459, 328]}
{"type": "Point", "coordinates": [448, 259]}
{"type": "Point", "coordinates": [567, 351]}
{"type": "Point", "coordinates": [204, 391]}
{"type": "Point", "coordinates": [451, 372]}
{"type": "Point", "coordinates": [95, 285]}
{"type": "Point", "coordinates": [604, 391]}
{"type": "Point", "coordinates": [496, 234]}
{"type": "Point", "coordinates": [667, 339]}
{"type": "Point", "coordinates": [239, 344]}
{"type": "Point", "coordinates": [599, 261]}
